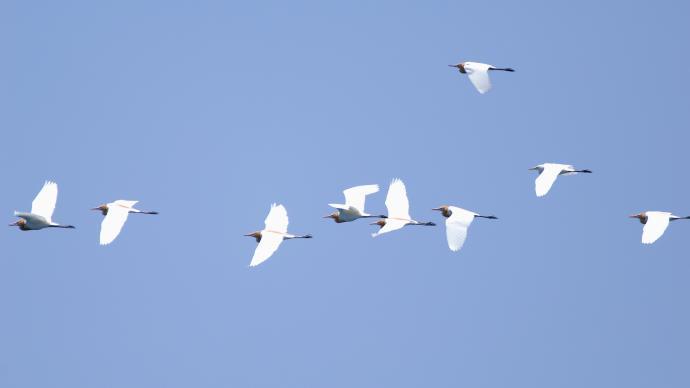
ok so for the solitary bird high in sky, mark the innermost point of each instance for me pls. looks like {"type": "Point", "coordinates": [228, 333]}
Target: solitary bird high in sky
{"type": "Point", "coordinates": [274, 232]}
{"type": "Point", "coordinates": [655, 224]}
{"type": "Point", "coordinates": [115, 217]}
{"type": "Point", "coordinates": [42, 209]}
{"type": "Point", "coordinates": [548, 172]}
{"type": "Point", "coordinates": [457, 222]}
{"type": "Point", "coordinates": [478, 73]}
{"type": "Point", "coordinates": [398, 210]}
{"type": "Point", "coordinates": [354, 204]}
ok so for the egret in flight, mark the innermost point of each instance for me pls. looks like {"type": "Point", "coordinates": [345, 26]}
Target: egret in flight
{"type": "Point", "coordinates": [457, 222]}
{"type": "Point", "coordinates": [398, 210]}
{"type": "Point", "coordinates": [655, 224]}
{"type": "Point", "coordinates": [548, 172]}
{"type": "Point", "coordinates": [41, 210]}
{"type": "Point", "coordinates": [115, 217]}
{"type": "Point", "coordinates": [272, 235]}
{"type": "Point", "coordinates": [354, 204]}
{"type": "Point", "coordinates": [478, 73]}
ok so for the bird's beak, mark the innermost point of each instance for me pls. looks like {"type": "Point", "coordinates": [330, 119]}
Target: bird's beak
{"type": "Point", "coordinates": [248, 235]}
{"type": "Point", "coordinates": [531, 169]}
{"type": "Point", "coordinates": [374, 223]}
{"type": "Point", "coordinates": [95, 208]}
{"type": "Point", "coordinates": [453, 65]}
{"type": "Point", "coordinates": [328, 216]}
{"type": "Point", "coordinates": [437, 209]}
{"type": "Point", "coordinates": [633, 216]}
{"type": "Point", "coordinates": [15, 223]}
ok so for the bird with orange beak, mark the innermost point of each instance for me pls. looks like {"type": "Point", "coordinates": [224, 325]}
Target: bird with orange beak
{"type": "Point", "coordinates": [655, 224]}
{"type": "Point", "coordinates": [478, 73]}
{"type": "Point", "coordinates": [458, 220]}
{"type": "Point", "coordinates": [398, 210]}
{"type": "Point", "coordinates": [116, 214]}
{"type": "Point", "coordinates": [273, 234]}
{"type": "Point", "coordinates": [42, 209]}
{"type": "Point", "coordinates": [353, 208]}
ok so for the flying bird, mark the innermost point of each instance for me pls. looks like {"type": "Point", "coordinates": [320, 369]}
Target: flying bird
{"type": "Point", "coordinates": [548, 172]}
{"type": "Point", "coordinates": [655, 224]}
{"type": "Point", "coordinates": [478, 73]}
{"type": "Point", "coordinates": [272, 235]}
{"type": "Point", "coordinates": [398, 210]}
{"type": "Point", "coordinates": [354, 204]}
{"type": "Point", "coordinates": [457, 222]}
{"type": "Point", "coordinates": [116, 214]}
{"type": "Point", "coordinates": [42, 209]}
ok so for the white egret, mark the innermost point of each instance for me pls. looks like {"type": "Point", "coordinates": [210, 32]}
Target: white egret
{"type": "Point", "coordinates": [478, 73]}
{"type": "Point", "coordinates": [42, 209]}
{"type": "Point", "coordinates": [548, 172]}
{"type": "Point", "coordinates": [354, 204]}
{"type": "Point", "coordinates": [272, 235]}
{"type": "Point", "coordinates": [655, 224]}
{"type": "Point", "coordinates": [457, 222]}
{"type": "Point", "coordinates": [115, 217]}
{"type": "Point", "coordinates": [398, 210]}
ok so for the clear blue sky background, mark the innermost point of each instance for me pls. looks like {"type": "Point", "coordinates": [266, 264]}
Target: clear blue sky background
{"type": "Point", "coordinates": [209, 111]}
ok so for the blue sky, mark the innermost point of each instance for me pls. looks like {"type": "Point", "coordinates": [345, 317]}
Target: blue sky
{"type": "Point", "coordinates": [210, 111]}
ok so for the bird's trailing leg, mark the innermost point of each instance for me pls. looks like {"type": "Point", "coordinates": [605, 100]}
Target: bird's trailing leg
{"type": "Point", "coordinates": [488, 217]}
{"type": "Point", "coordinates": [502, 69]}
{"type": "Point", "coordinates": [424, 224]}
{"type": "Point", "coordinates": [63, 226]}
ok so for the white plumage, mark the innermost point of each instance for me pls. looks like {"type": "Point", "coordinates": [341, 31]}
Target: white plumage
{"type": "Point", "coordinates": [548, 172]}
{"type": "Point", "coordinates": [273, 234]}
{"type": "Point", "coordinates": [353, 208]}
{"type": "Point", "coordinates": [398, 207]}
{"type": "Point", "coordinates": [458, 220]}
{"type": "Point", "coordinates": [42, 209]}
{"type": "Point", "coordinates": [478, 73]}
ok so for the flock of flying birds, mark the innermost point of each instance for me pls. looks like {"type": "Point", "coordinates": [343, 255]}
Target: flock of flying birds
{"type": "Point", "coordinates": [275, 231]}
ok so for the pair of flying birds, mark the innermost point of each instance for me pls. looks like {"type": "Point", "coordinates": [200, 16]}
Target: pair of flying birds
{"type": "Point", "coordinates": [43, 206]}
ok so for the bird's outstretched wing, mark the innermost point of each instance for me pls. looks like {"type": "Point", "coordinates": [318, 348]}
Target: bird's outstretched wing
{"type": "Point", "coordinates": [391, 225]}
{"type": "Point", "coordinates": [656, 225]}
{"type": "Point", "coordinates": [277, 219]}
{"type": "Point", "coordinates": [267, 246]}
{"type": "Point", "coordinates": [456, 227]}
{"type": "Point", "coordinates": [396, 201]}
{"type": "Point", "coordinates": [478, 73]}
{"type": "Point", "coordinates": [545, 180]}
{"type": "Point", "coordinates": [44, 203]}
{"type": "Point", "coordinates": [112, 223]}
{"type": "Point", "coordinates": [124, 203]}
{"type": "Point", "coordinates": [355, 196]}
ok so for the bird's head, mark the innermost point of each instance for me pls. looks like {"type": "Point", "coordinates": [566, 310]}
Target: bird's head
{"type": "Point", "coordinates": [640, 216]}
{"type": "Point", "coordinates": [256, 235]}
{"type": "Point", "coordinates": [102, 208]}
{"type": "Point", "coordinates": [335, 216]}
{"type": "Point", "coordinates": [445, 210]}
{"type": "Point", "coordinates": [536, 168]}
{"type": "Point", "coordinates": [460, 67]}
{"type": "Point", "coordinates": [381, 223]}
{"type": "Point", "coordinates": [21, 223]}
